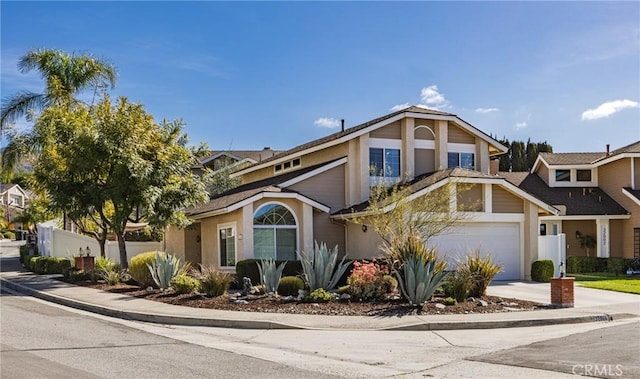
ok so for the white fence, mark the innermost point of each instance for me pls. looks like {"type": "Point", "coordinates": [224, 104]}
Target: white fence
{"type": "Point", "coordinates": [554, 248]}
{"type": "Point", "coordinates": [56, 242]}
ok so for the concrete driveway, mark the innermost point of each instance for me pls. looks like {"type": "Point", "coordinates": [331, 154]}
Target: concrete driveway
{"type": "Point", "coordinates": [587, 298]}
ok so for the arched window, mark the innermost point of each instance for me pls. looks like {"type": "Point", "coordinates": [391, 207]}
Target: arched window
{"type": "Point", "coordinates": [274, 233]}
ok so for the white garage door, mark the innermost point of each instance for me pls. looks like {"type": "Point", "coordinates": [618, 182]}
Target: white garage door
{"type": "Point", "coordinates": [502, 240]}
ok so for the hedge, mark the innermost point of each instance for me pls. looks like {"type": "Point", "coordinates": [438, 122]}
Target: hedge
{"type": "Point", "coordinates": [542, 270]}
{"type": "Point", "coordinates": [47, 265]}
{"type": "Point", "coordinates": [613, 265]}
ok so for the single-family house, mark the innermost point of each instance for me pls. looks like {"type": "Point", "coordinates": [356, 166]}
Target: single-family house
{"type": "Point", "coordinates": [598, 195]}
{"type": "Point", "coordinates": [13, 200]}
{"type": "Point", "coordinates": [217, 160]}
{"type": "Point", "coordinates": [311, 191]}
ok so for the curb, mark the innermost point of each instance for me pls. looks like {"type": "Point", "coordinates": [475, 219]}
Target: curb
{"type": "Point", "coordinates": [259, 324]}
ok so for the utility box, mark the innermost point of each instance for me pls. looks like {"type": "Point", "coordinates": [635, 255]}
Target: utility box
{"type": "Point", "coordinates": [562, 292]}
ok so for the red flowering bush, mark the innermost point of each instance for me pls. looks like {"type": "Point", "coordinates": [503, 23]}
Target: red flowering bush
{"type": "Point", "coordinates": [367, 281]}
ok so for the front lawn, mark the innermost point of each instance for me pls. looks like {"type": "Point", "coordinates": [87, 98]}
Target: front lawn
{"type": "Point", "coordinates": [605, 281]}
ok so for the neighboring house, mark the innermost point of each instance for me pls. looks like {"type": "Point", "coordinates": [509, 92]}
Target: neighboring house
{"type": "Point", "coordinates": [598, 195]}
{"type": "Point", "coordinates": [13, 200]}
{"type": "Point", "coordinates": [217, 160]}
{"type": "Point", "coordinates": [312, 191]}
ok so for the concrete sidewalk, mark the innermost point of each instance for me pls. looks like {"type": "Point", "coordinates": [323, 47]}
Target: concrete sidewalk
{"type": "Point", "coordinates": [610, 306]}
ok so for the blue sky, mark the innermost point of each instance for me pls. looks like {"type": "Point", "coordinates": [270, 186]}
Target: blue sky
{"type": "Point", "coordinates": [248, 75]}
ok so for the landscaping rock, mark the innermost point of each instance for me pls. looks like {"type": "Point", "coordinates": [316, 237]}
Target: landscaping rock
{"type": "Point", "coordinates": [345, 296]}
{"type": "Point", "coordinates": [471, 299]}
{"type": "Point", "coordinates": [482, 303]}
{"type": "Point", "coordinates": [288, 299]}
{"type": "Point", "coordinates": [440, 306]}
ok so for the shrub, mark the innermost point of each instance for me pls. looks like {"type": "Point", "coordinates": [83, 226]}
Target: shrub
{"type": "Point", "coordinates": [457, 286]}
{"type": "Point", "coordinates": [542, 270]}
{"type": "Point", "coordinates": [183, 284]}
{"type": "Point", "coordinates": [319, 295]}
{"type": "Point", "coordinates": [618, 266]}
{"type": "Point", "coordinates": [270, 274]}
{"type": "Point", "coordinates": [24, 253]}
{"type": "Point", "coordinates": [413, 247]}
{"type": "Point", "coordinates": [585, 265]}
{"type": "Point", "coordinates": [165, 267]}
{"type": "Point", "coordinates": [213, 282]}
{"type": "Point", "coordinates": [390, 284]}
{"type": "Point", "coordinates": [449, 301]}
{"type": "Point", "coordinates": [104, 264]}
{"type": "Point", "coordinates": [419, 278]}
{"type": "Point", "coordinates": [290, 285]}
{"type": "Point", "coordinates": [113, 277]}
{"type": "Point", "coordinates": [47, 265]}
{"type": "Point", "coordinates": [139, 270]}
{"type": "Point", "coordinates": [249, 268]}
{"type": "Point", "coordinates": [481, 272]}
{"type": "Point", "coordinates": [9, 235]}
{"type": "Point", "coordinates": [366, 281]}
{"type": "Point", "coordinates": [320, 269]}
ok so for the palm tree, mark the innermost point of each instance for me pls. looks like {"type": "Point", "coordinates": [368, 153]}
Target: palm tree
{"type": "Point", "coordinates": [65, 76]}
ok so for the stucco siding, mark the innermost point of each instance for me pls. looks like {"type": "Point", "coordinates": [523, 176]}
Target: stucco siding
{"type": "Point", "coordinates": [424, 133]}
{"type": "Point", "coordinates": [506, 202]}
{"type": "Point", "coordinates": [362, 245]}
{"type": "Point", "coordinates": [391, 131]}
{"type": "Point", "coordinates": [585, 227]}
{"type": "Point", "coordinates": [174, 241]}
{"type": "Point", "coordinates": [543, 173]}
{"type": "Point", "coordinates": [457, 135]}
{"type": "Point", "coordinates": [331, 233]}
{"type": "Point", "coordinates": [611, 178]}
{"type": "Point", "coordinates": [615, 238]}
{"type": "Point", "coordinates": [327, 188]}
{"type": "Point", "coordinates": [636, 173]}
{"type": "Point", "coordinates": [209, 236]}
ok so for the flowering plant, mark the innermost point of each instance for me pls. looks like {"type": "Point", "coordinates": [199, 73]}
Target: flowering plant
{"type": "Point", "coordinates": [366, 281]}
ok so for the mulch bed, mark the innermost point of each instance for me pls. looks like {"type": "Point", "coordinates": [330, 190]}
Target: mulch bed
{"type": "Point", "coordinates": [261, 303]}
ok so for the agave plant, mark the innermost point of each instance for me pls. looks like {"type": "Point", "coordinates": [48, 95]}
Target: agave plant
{"type": "Point", "coordinates": [270, 274]}
{"type": "Point", "coordinates": [420, 279]}
{"type": "Point", "coordinates": [164, 268]}
{"type": "Point", "coordinates": [320, 270]}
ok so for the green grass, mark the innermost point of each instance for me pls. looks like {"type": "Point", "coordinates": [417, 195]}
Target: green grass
{"type": "Point", "coordinates": [609, 282]}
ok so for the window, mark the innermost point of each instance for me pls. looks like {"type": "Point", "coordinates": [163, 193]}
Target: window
{"type": "Point", "coordinates": [274, 233]}
{"type": "Point", "coordinates": [563, 175]}
{"type": "Point", "coordinates": [287, 165]}
{"type": "Point", "coordinates": [227, 246]}
{"type": "Point", "coordinates": [462, 160]}
{"type": "Point", "coordinates": [543, 229]}
{"type": "Point", "coordinates": [15, 200]}
{"type": "Point", "coordinates": [583, 175]}
{"type": "Point", "coordinates": [384, 162]}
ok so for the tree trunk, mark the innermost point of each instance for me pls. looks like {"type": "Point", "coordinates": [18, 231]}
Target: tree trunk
{"type": "Point", "coordinates": [124, 263]}
{"type": "Point", "coordinates": [102, 241]}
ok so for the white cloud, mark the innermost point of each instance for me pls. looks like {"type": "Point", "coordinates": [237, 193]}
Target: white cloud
{"type": "Point", "coordinates": [326, 122]}
{"type": "Point", "coordinates": [487, 110]}
{"type": "Point", "coordinates": [520, 125]}
{"type": "Point", "coordinates": [609, 108]}
{"type": "Point", "coordinates": [432, 98]}
{"type": "Point", "coordinates": [400, 107]}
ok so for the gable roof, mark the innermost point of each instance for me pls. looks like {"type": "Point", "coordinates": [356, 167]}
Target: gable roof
{"type": "Point", "coordinates": [632, 194]}
{"type": "Point", "coordinates": [353, 132]}
{"type": "Point", "coordinates": [587, 159]}
{"type": "Point", "coordinates": [246, 191]}
{"type": "Point", "coordinates": [578, 201]}
{"type": "Point", "coordinates": [427, 182]}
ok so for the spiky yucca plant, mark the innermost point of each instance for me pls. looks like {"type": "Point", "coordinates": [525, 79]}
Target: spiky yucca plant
{"type": "Point", "coordinates": [320, 269]}
{"type": "Point", "coordinates": [420, 279]}
{"type": "Point", "coordinates": [165, 267]}
{"type": "Point", "coordinates": [270, 274]}
{"type": "Point", "coordinates": [480, 270]}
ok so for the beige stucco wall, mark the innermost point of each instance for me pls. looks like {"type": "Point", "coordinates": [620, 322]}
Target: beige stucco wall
{"type": "Point", "coordinates": [615, 238]}
{"type": "Point", "coordinates": [330, 232]}
{"type": "Point", "coordinates": [362, 245]}
{"type": "Point", "coordinates": [174, 241]}
{"type": "Point", "coordinates": [192, 244]}
{"type": "Point", "coordinates": [543, 172]}
{"type": "Point", "coordinates": [327, 188]}
{"type": "Point", "coordinates": [530, 237]}
{"type": "Point", "coordinates": [470, 197]}
{"type": "Point", "coordinates": [209, 235]}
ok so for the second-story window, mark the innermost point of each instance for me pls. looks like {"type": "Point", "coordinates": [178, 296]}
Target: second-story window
{"type": "Point", "coordinates": [462, 160]}
{"type": "Point", "coordinates": [384, 162]}
{"type": "Point", "coordinates": [583, 175]}
{"type": "Point", "coordinates": [563, 175]}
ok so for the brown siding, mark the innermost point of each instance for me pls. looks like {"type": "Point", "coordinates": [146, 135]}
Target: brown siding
{"type": "Point", "coordinates": [425, 161]}
{"type": "Point", "coordinates": [424, 134]}
{"type": "Point", "coordinates": [391, 131]}
{"type": "Point", "coordinates": [506, 202]}
{"type": "Point", "coordinates": [585, 227]}
{"type": "Point", "coordinates": [636, 173]}
{"type": "Point", "coordinates": [611, 178]}
{"type": "Point", "coordinates": [470, 198]}
{"type": "Point", "coordinates": [615, 238]}
{"type": "Point", "coordinates": [327, 188]}
{"type": "Point", "coordinates": [457, 135]}
{"type": "Point", "coordinates": [324, 230]}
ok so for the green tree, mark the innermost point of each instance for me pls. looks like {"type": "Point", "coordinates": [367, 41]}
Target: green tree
{"type": "Point", "coordinates": [113, 155]}
{"type": "Point", "coordinates": [65, 76]}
